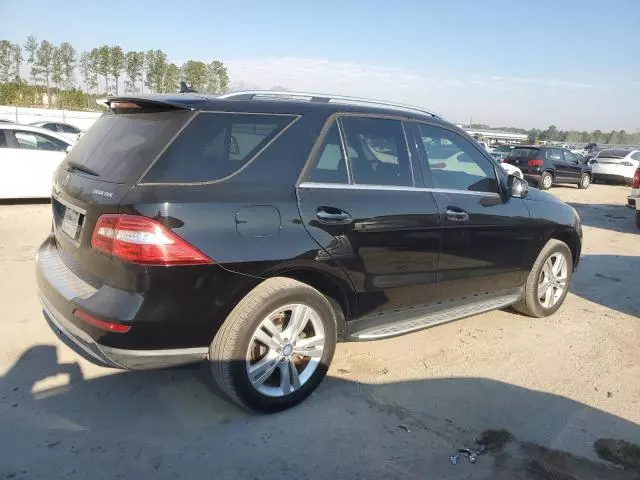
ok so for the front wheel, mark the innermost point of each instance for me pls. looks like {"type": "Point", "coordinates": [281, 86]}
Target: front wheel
{"type": "Point", "coordinates": [276, 345]}
{"type": "Point", "coordinates": [585, 181]}
{"type": "Point", "coordinates": [546, 180]}
{"type": "Point", "coordinates": [548, 281]}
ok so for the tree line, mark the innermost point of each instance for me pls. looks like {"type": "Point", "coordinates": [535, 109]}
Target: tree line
{"type": "Point", "coordinates": [552, 134]}
{"type": "Point", "coordinates": [103, 70]}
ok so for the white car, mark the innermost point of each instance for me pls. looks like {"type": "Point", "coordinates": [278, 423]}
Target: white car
{"type": "Point", "coordinates": [633, 200]}
{"type": "Point", "coordinates": [511, 169]}
{"type": "Point", "coordinates": [28, 157]}
{"type": "Point", "coordinates": [617, 164]}
{"type": "Point", "coordinates": [71, 132]}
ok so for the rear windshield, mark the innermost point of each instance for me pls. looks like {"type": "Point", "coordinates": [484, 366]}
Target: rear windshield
{"type": "Point", "coordinates": [119, 147]}
{"type": "Point", "coordinates": [216, 145]}
{"type": "Point", "coordinates": [613, 153]}
{"type": "Point", "coordinates": [523, 152]}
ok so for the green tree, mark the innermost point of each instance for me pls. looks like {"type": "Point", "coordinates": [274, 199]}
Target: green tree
{"type": "Point", "coordinates": [6, 62]}
{"type": "Point", "coordinates": [156, 61]}
{"type": "Point", "coordinates": [57, 68]}
{"type": "Point", "coordinates": [194, 73]}
{"type": "Point", "coordinates": [44, 60]}
{"type": "Point", "coordinates": [596, 136]}
{"type": "Point", "coordinates": [87, 71]}
{"type": "Point", "coordinates": [171, 78]}
{"type": "Point", "coordinates": [32, 47]}
{"type": "Point", "coordinates": [217, 77]}
{"type": "Point", "coordinates": [623, 137]}
{"type": "Point", "coordinates": [116, 63]}
{"type": "Point", "coordinates": [103, 64]}
{"type": "Point", "coordinates": [133, 65]}
{"type": "Point", "coordinates": [94, 61]}
{"type": "Point", "coordinates": [69, 59]}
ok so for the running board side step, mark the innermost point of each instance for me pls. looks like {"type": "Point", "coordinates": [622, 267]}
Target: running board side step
{"type": "Point", "coordinates": [406, 321]}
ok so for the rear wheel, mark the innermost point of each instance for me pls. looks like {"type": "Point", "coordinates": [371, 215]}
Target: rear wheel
{"type": "Point", "coordinates": [546, 180]}
{"type": "Point", "coordinates": [276, 345]}
{"type": "Point", "coordinates": [585, 181]}
{"type": "Point", "coordinates": [548, 281]}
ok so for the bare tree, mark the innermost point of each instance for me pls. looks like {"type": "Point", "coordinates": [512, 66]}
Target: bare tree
{"type": "Point", "coordinates": [16, 62]}
{"type": "Point", "coordinates": [116, 63]}
{"type": "Point", "coordinates": [68, 55]}
{"type": "Point", "coordinates": [44, 60]}
{"type": "Point", "coordinates": [103, 64]}
{"type": "Point", "coordinates": [133, 65]}
{"type": "Point", "coordinates": [32, 47]}
{"type": "Point", "coordinates": [57, 69]}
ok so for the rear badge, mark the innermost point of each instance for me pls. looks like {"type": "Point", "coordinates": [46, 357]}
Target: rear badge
{"type": "Point", "coordinates": [102, 193]}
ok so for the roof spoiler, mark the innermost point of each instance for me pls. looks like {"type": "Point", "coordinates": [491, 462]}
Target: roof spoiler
{"type": "Point", "coordinates": [174, 102]}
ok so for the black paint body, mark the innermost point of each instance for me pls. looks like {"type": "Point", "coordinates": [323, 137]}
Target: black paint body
{"type": "Point", "coordinates": [399, 250]}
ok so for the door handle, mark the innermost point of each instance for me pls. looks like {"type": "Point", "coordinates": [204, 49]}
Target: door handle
{"type": "Point", "coordinates": [457, 215]}
{"type": "Point", "coordinates": [333, 215]}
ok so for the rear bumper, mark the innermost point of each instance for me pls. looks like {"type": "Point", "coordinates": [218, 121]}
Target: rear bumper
{"type": "Point", "coordinates": [612, 177]}
{"type": "Point", "coordinates": [632, 202]}
{"type": "Point", "coordinates": [79, 341]}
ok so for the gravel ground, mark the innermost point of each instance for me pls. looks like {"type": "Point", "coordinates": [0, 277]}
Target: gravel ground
{"type": "Point", "coordinates": [396, 408]}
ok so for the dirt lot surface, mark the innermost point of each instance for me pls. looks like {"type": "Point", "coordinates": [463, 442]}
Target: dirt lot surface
{"type": "Point", "coordinates": [397, 408]}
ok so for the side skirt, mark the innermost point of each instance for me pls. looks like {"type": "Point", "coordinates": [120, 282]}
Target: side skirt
{"type": "Point", "coordinates": [399, 322]}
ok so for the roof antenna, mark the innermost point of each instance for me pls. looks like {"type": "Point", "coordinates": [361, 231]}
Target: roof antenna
{"type": "Point", "coordinates": [185, 88]}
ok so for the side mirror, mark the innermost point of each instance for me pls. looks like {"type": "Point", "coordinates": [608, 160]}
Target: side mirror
{"type": "Point", "coordinates": [518, 187]}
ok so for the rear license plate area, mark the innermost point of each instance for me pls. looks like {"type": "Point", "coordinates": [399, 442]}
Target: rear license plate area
{"type": "Point", "coordinates": [71, 223]}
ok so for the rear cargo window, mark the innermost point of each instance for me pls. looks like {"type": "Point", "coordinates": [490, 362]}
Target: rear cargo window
{"type": "Point", "coordinates": [215, 145]}
{"type": "Point", "coordinates": [523, 152]}
{"type": "Point", "coordinates": [119, 147]}
{"type": "Point", "coordinates": [613, 153]}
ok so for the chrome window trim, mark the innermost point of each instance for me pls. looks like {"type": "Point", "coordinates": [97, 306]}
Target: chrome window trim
{"type": "Point", "coordinates": [394, 188]}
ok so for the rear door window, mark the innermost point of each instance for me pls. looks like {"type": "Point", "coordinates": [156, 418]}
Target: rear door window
{"type": "Point", "coordinates": [216, 145]}
{"type": "Point", "coordinates": [69, 129]}
{"type": "Point", "coordinates": [120, 146]}
{"type": "Point", "coordinates": [377, 151]}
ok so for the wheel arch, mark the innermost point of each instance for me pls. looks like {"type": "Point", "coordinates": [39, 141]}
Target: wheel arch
{"type": "Point", "coordinates": [571, 240]}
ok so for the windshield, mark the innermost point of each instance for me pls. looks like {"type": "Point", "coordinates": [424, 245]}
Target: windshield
{"type": "Point", "coordinates": [119, 147]}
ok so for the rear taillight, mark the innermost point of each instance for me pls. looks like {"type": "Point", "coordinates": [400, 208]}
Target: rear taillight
{"type": "Point", "coordinates": [536, 162]}
{"type": "Point", "coordinates": [101, 324]}
{"type": "Point", "coordinates": [636, 179]}
{"type": "Point", "coordinates": [506, 160]}
{"type": "Point", "coordinates": [144, 241]}
{"type": "Point", "coordinates": [626, 164]}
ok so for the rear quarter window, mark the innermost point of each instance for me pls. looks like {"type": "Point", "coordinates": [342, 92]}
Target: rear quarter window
{"type": "Point", "coordinates": [216, 145]}
{"type": "Point", "coordinates": [523, 152]}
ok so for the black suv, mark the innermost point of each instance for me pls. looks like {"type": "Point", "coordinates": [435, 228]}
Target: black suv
{"type": "Point", "coordinates": [256, 231]}
{"type": "Point", "coordinates": [545, 166]}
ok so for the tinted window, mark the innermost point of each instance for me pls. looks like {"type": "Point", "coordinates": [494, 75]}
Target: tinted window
{"type": "Point", "coordinates": [3, 140]}
{"type": "Point", "coordinates": [216, 145]}
{"type": "Point", "coordinates": [121, 146]}
{"type": "Point", "coordinates": [37, 141]}
{"type": "Point", "coordinates": [329, 165]}
{"type": "Point", "coordinates": [635, 156]}
{"type": "Point", "coordinates": [454, 162]}
{"type": "Point", "coordinates": [613, 153]}
{"type": "Point", "coordinates": [377, 151]}
{"type": "Point", "coordinates": [69, 129]}
{"type": "Point", "coordinates": [554, 154]}
{"type": "Point", "coordinates": [571, 157]}
{"type": "Point", "coordinates": [524, 153]}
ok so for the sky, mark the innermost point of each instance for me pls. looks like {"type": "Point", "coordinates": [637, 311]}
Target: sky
{"type": "Point", "coordinates": [571, 63]}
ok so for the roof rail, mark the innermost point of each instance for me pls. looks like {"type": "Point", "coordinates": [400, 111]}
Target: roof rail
{"type": "Point", "coordinates": [322, 98]}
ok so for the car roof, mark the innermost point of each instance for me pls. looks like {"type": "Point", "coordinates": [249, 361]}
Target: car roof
{"type": "Point", "coordinates": [35, 129]}
{"type": "Point", "coordinates": [272, 104]}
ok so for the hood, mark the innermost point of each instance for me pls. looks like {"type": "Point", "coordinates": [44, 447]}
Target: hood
{"type": "Point", "coordinates": [536, 195]}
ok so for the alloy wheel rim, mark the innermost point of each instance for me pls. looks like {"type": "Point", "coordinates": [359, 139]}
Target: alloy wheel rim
{"type": "Point", "coordinates": [585, 181]}
{"type": "Point", "coordinates": [547, 181]}
{"type": "Point", "coordinates": [553, 280]}
{"type": "Point", "coordinates": [285, 350]}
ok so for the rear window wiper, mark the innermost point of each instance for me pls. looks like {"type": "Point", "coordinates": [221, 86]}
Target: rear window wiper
{"type": "Point", "coordinates": [82, 168]}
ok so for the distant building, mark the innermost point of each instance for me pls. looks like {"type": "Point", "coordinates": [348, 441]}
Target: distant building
{"type": "Point", "coordinates": [495, 136]}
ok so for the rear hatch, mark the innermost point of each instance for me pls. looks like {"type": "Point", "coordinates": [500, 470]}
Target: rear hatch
{"type": "Point", "coordinates": [520, 157]}
{"type": "Point", "coordinates": [95, 176]}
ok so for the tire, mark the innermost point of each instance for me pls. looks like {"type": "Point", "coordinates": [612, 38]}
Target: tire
{"type": "Point", "coordinates": [530, 303]}
{"type": "Point", "coordinates": [585, 181]}
{"type": "Point", "coordinates": [229, 354]}
{"type": "Point", "coordinates": [545, 181]}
